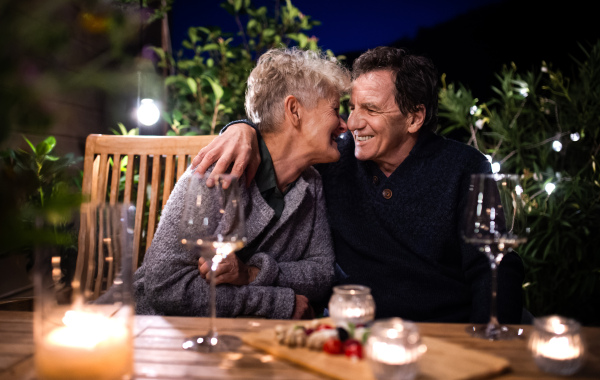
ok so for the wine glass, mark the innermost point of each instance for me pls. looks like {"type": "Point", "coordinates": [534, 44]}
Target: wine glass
{"type": "Point", "coordinates": [213, 224]}
{"type": "Point", "coordinates": [495, 223]}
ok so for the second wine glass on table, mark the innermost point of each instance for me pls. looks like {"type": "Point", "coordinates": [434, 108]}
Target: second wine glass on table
{"type": "Point", "coordinates": [495, 223]}
{"type": "Point", "coordinates": [212, 223]}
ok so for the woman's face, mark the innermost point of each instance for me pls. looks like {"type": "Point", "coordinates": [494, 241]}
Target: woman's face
{"type": "Point", "coordinates": [321, 126]}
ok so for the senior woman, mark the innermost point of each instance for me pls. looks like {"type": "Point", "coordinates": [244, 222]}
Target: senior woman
{"type": "Point", "coordinates": [293, 97]}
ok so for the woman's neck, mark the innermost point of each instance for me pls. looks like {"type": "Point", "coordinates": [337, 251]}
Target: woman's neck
{"type": "Point", "coordinates": [288, 161]}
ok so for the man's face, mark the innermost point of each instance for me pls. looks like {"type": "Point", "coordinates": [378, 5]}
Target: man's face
{"type": "Point", "coordinates": [380, 130]}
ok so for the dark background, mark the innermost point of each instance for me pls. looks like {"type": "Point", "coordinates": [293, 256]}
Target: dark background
{"type": "Point", "coordinates": [468, 40]}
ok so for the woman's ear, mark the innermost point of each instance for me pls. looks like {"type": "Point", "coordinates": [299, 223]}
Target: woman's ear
{"type": "Point", "coordinates": [292, 110]}
{"type": "Point", "coordinates": [417, 119]}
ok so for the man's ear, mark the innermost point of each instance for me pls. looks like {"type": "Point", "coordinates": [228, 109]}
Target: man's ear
{"type": "Point", "coordinates": [292, 110]}
{"type": "Point", "coordinates": [417, 119]}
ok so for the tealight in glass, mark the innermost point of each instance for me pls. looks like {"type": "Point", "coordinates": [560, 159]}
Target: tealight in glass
{"type": "Point", "coordinates": [393, 349]}
{"type": "Point", "coordinates": [351, 304]}
{"type": "Point", "coordinates": [556, 345]}
{"type": "Point", "coordinates": [83, 316]}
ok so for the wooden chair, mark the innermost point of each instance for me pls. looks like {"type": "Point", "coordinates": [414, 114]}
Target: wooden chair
{"type": "Point", "coordinates": [139, 170]}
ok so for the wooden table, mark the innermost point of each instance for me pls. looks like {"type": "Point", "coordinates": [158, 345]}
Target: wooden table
{"type": "Point", "coordinates": [158, 353]}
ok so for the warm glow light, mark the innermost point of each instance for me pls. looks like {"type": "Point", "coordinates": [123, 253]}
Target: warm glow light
{"type": "Point", "coordinates": [89, 341]}
{"type": "Point", "coordinates": [148, 113]}
{"type": "Point", "coordinates": [559, 348]}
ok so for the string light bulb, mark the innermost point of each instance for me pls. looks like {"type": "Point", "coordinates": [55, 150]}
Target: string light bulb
{"type": "Point", "coordinates": [495, 167]}
{"type": "Point", "coordinates": [549, 187]}
{"type": "Point", "coordinates": [575, 136]}
{"type": "Point", "coordinates": [557, 146]}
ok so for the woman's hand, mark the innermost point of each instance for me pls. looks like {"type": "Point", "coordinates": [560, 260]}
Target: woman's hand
{"type": "Point", "coordinates": [302, 308]}
{"type": "Point", "coordinates": [238, 146]}
{"type": "Point", "coordinates": [231, 270]}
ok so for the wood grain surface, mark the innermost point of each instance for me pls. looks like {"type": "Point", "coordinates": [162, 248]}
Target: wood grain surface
{"type": "Point", "coordinates": [158, 352]}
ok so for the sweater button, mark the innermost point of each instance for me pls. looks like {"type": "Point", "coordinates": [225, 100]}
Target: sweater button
{"type": "Point", "coordinates": [375, 180]}
{"type": "Point", "coordinates": [387, 193]}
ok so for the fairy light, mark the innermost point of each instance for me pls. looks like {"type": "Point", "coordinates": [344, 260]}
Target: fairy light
{"type": "Point", "coordinates": [495, 167]}
{"type": "Point", "coordinates": [473, 110]}
{"type": "Point", "coordinates": [575, 136]}
{"type": "Point", "coordinates": [557, 146]}
{"type": "Point", "coordinates": [524, 92]}
{"type": "Point", "coordinates": [549, 187]}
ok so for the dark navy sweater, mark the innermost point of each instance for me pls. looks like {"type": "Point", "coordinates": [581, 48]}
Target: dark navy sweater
{"type": "Point", "coordinates": [399, 235]}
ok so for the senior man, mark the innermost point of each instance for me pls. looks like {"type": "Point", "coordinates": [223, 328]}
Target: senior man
{"type": "Point", "coordinates": [396, 197]}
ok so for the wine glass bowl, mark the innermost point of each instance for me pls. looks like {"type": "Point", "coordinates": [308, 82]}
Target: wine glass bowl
{"type": "Point", "coordinates": [494, 222]}
{"type": "Point", "coordinates": [212, 225]}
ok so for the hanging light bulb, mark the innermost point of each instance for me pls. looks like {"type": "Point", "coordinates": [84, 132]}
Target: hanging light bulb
{"type": "Point", "coordinates": [148, 113]}
{"type": "Point", "coordinates": [557, 146]}
{"type": "Point", "coordinates": [575, 136]}
{"type": "Point", "coordinates": [549, 187]}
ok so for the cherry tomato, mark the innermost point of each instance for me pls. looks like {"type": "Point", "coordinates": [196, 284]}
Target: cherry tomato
{"type": "Point", "coordinates": [352, 347]}
{"type": "Point", "coordinates": [333, 346]}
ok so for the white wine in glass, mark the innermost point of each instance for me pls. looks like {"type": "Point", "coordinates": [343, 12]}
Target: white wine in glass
{"type": "Point", "coordinates": [494, 222]}
{"type": "Point", "coordinates": [212, 223]}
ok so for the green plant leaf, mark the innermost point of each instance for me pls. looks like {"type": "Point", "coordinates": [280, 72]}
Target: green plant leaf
{"type": "Point", "coordinates": [193, 86]}
{"type": "Point", "coordinates": [216, 87]}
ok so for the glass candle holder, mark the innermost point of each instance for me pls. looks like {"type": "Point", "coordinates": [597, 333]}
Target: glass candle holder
{"type": "Point", "coordinates": [556, 345]}
{"type": "Point", "coordinates": [351, 304]}
{"type": "Point", "coordinates": [393, 349]}
{"type": "Point", "coordinates": [83, 312]}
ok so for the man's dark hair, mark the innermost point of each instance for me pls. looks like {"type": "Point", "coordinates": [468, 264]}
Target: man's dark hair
{"type": "Point", "coordinates": [416, 79]}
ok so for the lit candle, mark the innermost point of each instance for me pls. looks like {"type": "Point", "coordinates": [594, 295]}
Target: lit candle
{"type": "Point", "coordinates": [88, 346]}
{"type": "Point", "coordinates": [393, 349]}
{"type": "Point", "coordinates": [556, 345]}
{"type": "Point", "coordinates": [558, 348]}
{"type": "Point", "coordinates": [391, 354]}
{"type": "Point", "coordinates": [351, 304]}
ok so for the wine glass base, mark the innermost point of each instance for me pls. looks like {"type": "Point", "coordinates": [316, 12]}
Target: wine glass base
{"type": "Point", "coordinates": [212, 343]}
{"type": "Point", "coordinates": [494, 332]}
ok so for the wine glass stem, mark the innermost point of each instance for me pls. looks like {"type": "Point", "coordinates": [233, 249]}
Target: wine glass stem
{"type": "Point", "coordinates": [493, 323]}
{"type": "Point", "coordinates": [212, 331]}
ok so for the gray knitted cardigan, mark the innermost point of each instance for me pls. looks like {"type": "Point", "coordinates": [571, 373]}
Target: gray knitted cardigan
{"type": "Point", "coordinates": [294, 254]}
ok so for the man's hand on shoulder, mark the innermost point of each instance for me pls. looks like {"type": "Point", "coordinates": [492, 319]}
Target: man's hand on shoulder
{"type": "Point", "coordinates": [237, 148]}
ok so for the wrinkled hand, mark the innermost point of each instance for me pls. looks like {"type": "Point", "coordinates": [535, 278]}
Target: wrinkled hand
{"type": "Point", "coordinates": [302, 309]}
{"type": "Point", "coordinates": [238, 146]}
{"type": "Point", "coordinates": [231, 270]}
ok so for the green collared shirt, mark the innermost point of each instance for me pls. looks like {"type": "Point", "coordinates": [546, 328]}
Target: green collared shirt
{"type": "Point", "coordinates": [267, 181]}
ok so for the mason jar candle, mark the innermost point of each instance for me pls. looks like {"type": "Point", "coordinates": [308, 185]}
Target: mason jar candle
{"type": "Point", "coordinates": [393, 349]}
{"type": "Point", "coordinates": [556, 345]}
{"type": "Point", "coordinates": [351, 304]}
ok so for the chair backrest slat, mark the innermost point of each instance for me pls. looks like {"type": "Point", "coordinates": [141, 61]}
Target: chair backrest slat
{"type": "Point", "coordinates": [170, 157]}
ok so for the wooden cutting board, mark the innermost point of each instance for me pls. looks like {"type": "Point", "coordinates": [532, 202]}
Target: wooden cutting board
{"type": "Point", "coordinates": [443, 360]}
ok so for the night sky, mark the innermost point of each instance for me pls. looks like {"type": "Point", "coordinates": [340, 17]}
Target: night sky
{"type": "Point", "coordinates": [347, 25]}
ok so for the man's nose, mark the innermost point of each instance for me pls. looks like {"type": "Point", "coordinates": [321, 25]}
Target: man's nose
{"type": "Point", "coordinates": [352, 121]}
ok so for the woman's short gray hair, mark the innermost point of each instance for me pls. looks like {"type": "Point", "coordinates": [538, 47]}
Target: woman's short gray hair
{"type": "Point", "coordinates": [305, 74]}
